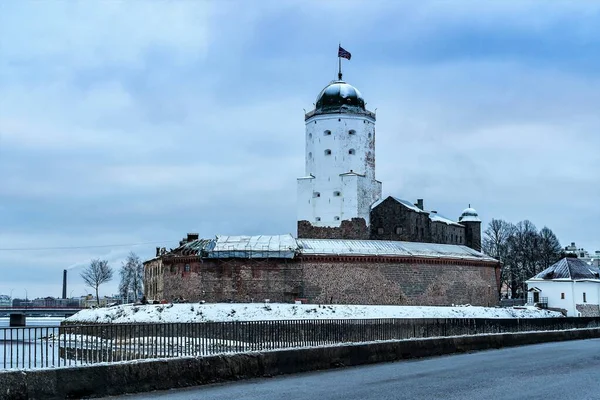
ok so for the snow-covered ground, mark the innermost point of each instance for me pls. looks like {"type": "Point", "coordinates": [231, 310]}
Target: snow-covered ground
{"type": "Point", "coordinates": [217, 312]}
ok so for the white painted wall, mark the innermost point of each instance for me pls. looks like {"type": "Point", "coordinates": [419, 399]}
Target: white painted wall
{"type": "Point", "coordinates": [341, 197]}
{"type": "Point", "coordinates": [573, 291]}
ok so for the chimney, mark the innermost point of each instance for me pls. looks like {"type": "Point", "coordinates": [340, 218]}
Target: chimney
{"type": "Point", "coordinates": [420, 203]}
{"type": "Point", "coordinates": [64, 294]}
{"type": "Point", "coordinates": [192, 236]}
{"type": "Point", "coordinates": [157, 251]}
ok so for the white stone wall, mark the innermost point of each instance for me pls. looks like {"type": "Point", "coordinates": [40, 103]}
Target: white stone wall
{"type": "Point", "coordinates": [340, 155]}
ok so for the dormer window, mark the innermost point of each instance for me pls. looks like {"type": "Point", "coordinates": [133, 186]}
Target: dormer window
{"type": "Point", "coordinates": [327, 132]}
{"type": "Point", "coordinates": [327, 152]}
{"type": "Point", "coordinates": [351, 152]}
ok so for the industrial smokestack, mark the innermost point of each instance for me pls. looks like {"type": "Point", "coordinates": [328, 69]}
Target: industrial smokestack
{"type": "Point", "coordinates": [64, 296]}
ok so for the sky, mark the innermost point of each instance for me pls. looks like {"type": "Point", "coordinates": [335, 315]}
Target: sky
{"type": "Point", "coordinates": [125, 125]}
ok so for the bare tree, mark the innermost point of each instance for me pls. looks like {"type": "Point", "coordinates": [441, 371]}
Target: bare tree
{"type": "Point", "coordinates": [97, 273]}
{"type": "Point", "coordinates": [496, 243]}
{"type": "Point", "coordinates": [132, 276]}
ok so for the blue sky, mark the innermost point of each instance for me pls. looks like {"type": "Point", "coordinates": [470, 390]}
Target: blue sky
{"type": "Point", "coordinates": [136, 122]}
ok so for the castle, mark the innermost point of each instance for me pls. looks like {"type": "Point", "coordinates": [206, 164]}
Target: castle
{"type": "Point", "coordinates": [352, 246]}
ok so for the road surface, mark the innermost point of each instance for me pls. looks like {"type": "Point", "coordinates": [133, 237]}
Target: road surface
{"type": "Point", "coordinates": [565, 370]}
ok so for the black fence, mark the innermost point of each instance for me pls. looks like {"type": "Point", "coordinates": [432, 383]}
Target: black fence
{"type": "Point", "coordinates": [73, 345]}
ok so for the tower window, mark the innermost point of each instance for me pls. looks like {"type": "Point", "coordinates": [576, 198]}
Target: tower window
{"type": "Point", "coordinates": [310, 135]}
{"type": "Point", "coordinates": [370, 135]}
{"type": "Point", "coordinates": [351, 151]}
{"type": "Point", "coordinates": [327, 133]}
{"type": "Point", "coordinates": [316, 194]}
{"type": "Point", "coordinates": [318, 219]}
{"type": "Point", "coordinates": [351, 132]}
{"type": "Point", "coordinates": [327, 152]}
{"type": "Point", "coordinates": [398, 231]}
{"type": "Point", "coordinates": [337, 194]}
{"type": "Point", "coordinates": [309, 156]}
{"type": "Point", "coordinates": [187, 268]}
{"type": "Point", "coordinates": [336, 218]}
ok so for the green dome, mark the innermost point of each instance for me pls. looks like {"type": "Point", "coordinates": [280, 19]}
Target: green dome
{"type": "Point", "coordinates": [339, 95]}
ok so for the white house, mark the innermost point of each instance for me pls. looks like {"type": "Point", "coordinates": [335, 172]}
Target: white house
{"type": "Point", "coordinates": [570, 284]}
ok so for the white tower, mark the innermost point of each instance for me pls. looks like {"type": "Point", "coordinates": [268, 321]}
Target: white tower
{"type": "Point", "coordinates": [339, 182]}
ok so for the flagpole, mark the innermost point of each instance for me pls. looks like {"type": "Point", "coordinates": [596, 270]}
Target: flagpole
{"type": "Point", "coordinates": [339, 62]}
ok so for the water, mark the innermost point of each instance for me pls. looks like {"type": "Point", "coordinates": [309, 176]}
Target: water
{"type": "Point", "coordinates": [28, 347]}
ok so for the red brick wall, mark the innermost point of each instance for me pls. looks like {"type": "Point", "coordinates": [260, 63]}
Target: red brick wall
{"type": "Point", "coordinates": [341, 280]}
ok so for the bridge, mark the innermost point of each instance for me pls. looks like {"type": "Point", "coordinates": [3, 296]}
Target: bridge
{"type": "Point", "coordinates": [31, 311]}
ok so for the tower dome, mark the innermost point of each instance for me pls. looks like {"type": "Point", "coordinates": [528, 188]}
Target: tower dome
{"type": "Point", "coordinates": [339, 95]}
{"type": "Point", "coordinates": [469, 215]}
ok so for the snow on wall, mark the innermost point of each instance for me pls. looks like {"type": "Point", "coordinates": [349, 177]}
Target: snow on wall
{"type": "Point", "coordinates": [194, 312]}
{"type": "Point", "coordinates": [338, 144]}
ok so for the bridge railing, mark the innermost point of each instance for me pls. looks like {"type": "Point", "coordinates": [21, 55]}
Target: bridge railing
{"type": "Point", "coordinates": [74, 345]}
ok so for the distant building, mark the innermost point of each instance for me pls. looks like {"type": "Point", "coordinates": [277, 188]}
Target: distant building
{"type": "Point", "coordinates": [591, 258]}
{"type": "Point", "coordinates": [5, 300]}
{"type": "Point", "coordinates": [571, 285]}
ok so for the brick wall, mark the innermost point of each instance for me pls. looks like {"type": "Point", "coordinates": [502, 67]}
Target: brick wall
{"type": "Point", "coordinates": [341, 280]}
{"type": "Point", "coordinates": [356, 228]}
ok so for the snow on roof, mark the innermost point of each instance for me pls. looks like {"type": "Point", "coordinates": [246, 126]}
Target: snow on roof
{"type": "Point", "coordinates": [286, 246]}
{"type": "Point", "coordinates": [387, 248]}
{"type": "Point", "coordinates": [405, 203]}
{"type": "Point", "coordinates": [568, 269]}
{"type": "Point", "coordinates": [262, 246]}
{"type": "Point", "coordinates": [435, 217]}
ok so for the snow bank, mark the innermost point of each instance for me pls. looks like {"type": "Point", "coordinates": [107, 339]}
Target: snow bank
{"type": "Point", "coordinates": [194, 312]}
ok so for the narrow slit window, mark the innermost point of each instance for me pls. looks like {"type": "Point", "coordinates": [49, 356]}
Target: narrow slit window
{"type": "Point", "coordinates": [562, 296]}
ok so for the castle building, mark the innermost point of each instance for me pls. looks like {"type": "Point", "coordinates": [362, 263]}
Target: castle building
{"type": "Point", "coordinates": [339, 196]}
{"type": "Point", "coordinates": [352, 247]}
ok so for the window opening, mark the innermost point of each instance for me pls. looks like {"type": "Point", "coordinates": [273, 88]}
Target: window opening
{"type": "Point", "coordinates": [351, 151]}
{"type": "Point", "coordinates": [327, 152]}
{"type": "Point", "coordinates": [327, 132]}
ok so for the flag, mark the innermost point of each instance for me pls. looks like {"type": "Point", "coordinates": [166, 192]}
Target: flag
{"type": "Point", "coordinates": [343, 53]}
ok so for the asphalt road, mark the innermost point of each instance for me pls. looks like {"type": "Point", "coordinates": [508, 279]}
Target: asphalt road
{"type": "Point", "coordinates": [566, 370]}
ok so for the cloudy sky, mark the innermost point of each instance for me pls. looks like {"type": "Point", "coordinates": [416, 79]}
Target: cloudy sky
{"type": "Point", "coordinates": [124, 125]}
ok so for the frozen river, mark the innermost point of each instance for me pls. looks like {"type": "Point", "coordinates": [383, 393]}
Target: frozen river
{"type": "Point", "coordinates": [27, 347]}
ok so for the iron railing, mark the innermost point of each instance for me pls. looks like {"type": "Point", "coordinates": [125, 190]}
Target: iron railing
{"type": "Point", "coordinates": [74, 345]}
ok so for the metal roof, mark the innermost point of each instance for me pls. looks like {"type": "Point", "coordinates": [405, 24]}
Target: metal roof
{"type": "Point", "coordinates": [262, 246]}
{"type": "Point", "coordinates": [286, 246]}
{"type": "Point", "coordinates": [569, 268]}
{"type": "Point", "coordinates": [388, 248]}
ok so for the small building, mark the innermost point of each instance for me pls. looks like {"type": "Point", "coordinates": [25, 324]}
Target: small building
{"type": "Point", "coordinates": [571, 285]}
{"type": "Point", "coordinates": [5, 301]}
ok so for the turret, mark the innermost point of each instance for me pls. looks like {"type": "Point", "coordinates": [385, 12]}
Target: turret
{"type": "Point", "coordinates": [472, 223]}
